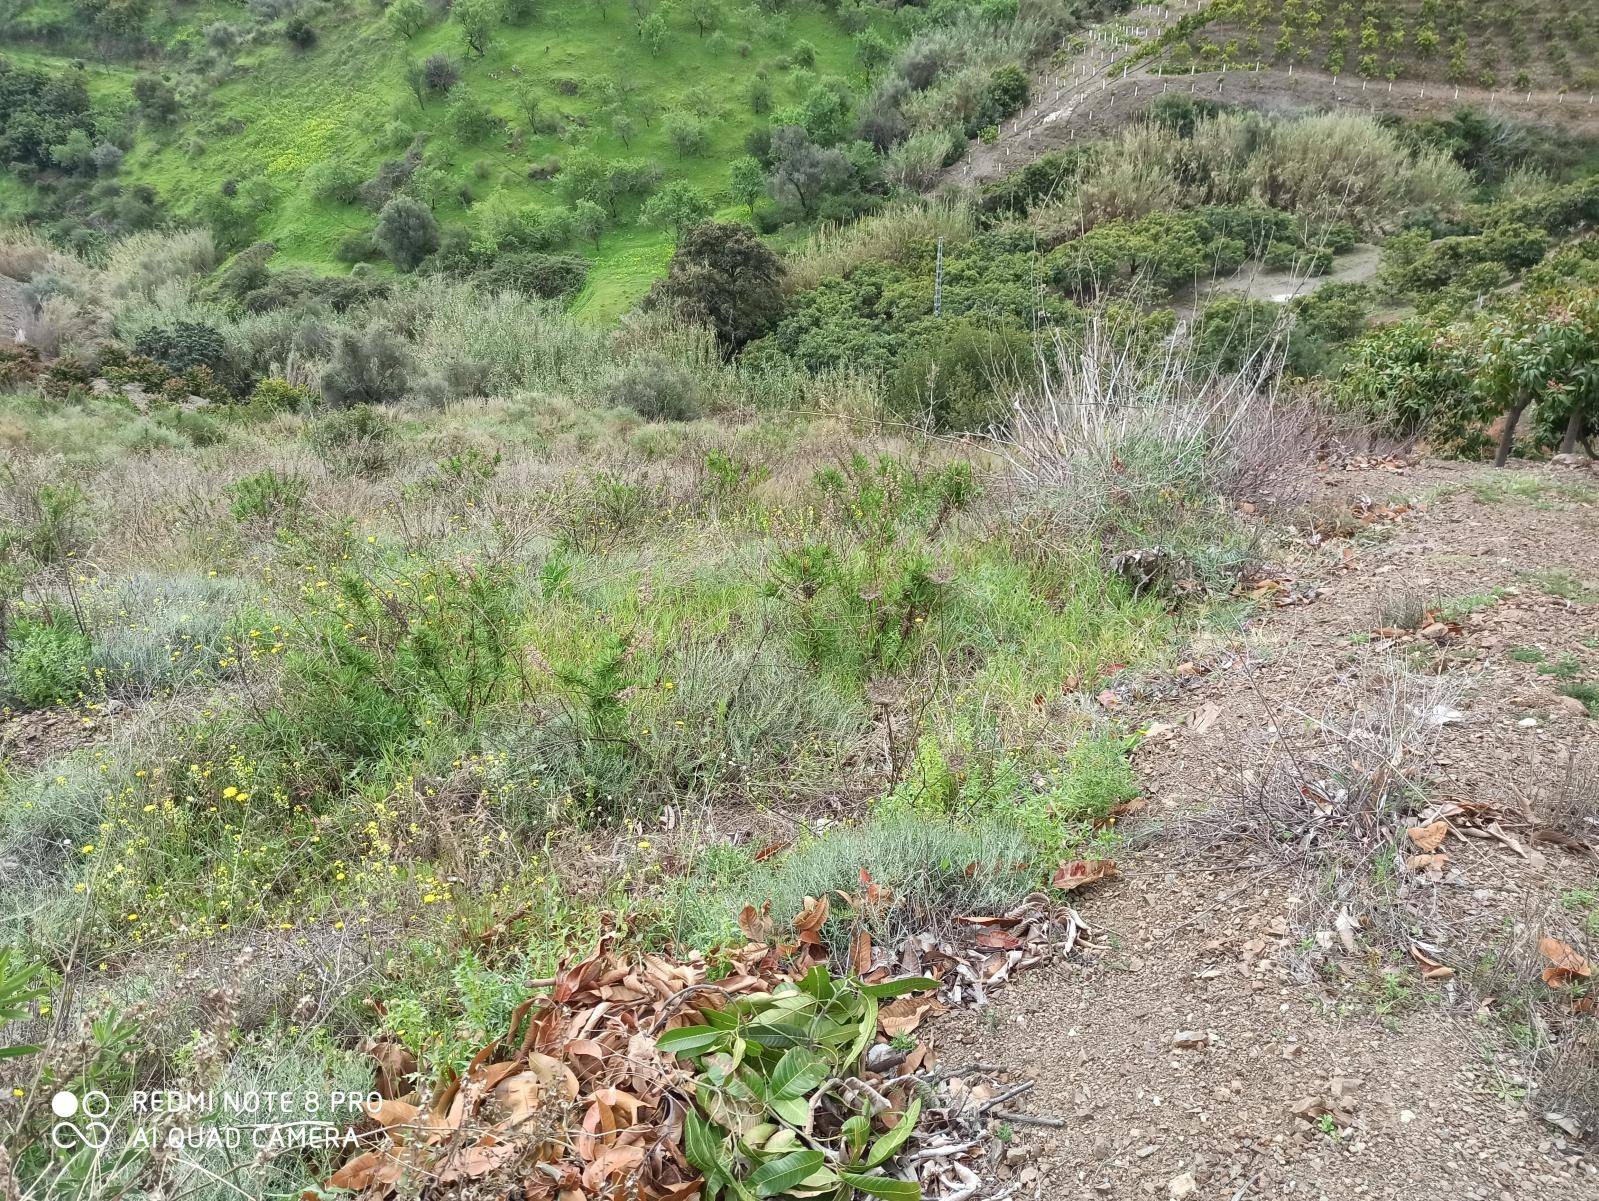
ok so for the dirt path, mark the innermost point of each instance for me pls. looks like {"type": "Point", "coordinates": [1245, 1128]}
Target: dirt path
{"type": "Point", "coordinates": [1100, 89]}
{"type": "Point", "coordinates": [1214, 1041]}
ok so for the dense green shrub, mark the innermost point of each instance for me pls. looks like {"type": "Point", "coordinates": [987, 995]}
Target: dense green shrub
{"type": "Point", "coordinates": [46, 661]}
{"type": "Point", "coordinates": [1004, 97]}
{"type": "Point", "coordinates": [39, 110]}
{"type": "Point", "coordinates": [552, 276]}
{"type": "Point", "coordinates": [269, 499]}
{"type": "Point", "coordinates": [1412, 377]}
{"type": "Point", "coordinates": [962, 379]}
{"type": "Point", "coordinates": [358, 439]}
{"type": "Point", "coordinates": [272, 394]}
{"type": "Point", "coordinates": [1047, 177]}
{"type": "Point", "coordinates": [870, 318]}
{"type": "Point", "coordinates": [725, 277]}
{"type": "Point", "coordinates": [182, 345]}
{"type": "Point", "coordinates": [1161, 251]}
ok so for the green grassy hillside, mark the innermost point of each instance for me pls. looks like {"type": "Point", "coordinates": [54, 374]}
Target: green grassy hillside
{"type": "Point", "coordinates": [277, 112]}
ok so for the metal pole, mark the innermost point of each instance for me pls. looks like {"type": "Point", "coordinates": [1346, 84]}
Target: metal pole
{"type": "Point", "coordinates": [938, 281]}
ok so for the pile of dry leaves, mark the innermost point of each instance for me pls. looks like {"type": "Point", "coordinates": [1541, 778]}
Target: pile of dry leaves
{"type": "Point", "coordinates": [652, 1078]}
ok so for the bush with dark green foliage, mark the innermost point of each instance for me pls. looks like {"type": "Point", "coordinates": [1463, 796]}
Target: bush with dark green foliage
{"type": "Point", "coordinates": [440, 73]}
{"type": "Point", "coordinates": [1181, 112]}
{"type": "Point", "coordinates": [725, 277]}
{"type": "Point", "coordinates": [1004, 97]}
{"type": "Point", "coordinates": [1415, 265]}
{"type": "Point", "coordinates": [1159, 251]}
{"type": "Point", "coordinates": [156, 99]}
{"type": "Point", "coordinates": [182, 345]}
{"type": "Point", "coordinates": [868, 319]}
{"type": "Point", "coordinates": [552, 276]}
{"type": "Point", "coordinates": [963, 379]}
{"type": "Point", "coordinates": [1413, 377]}
{"type": "Point", "coordinates": [1232, 332]}
{"type": "Point", "coordinates": [39, 110]}
{"type": "Point", "coordinates": [1042, 179]}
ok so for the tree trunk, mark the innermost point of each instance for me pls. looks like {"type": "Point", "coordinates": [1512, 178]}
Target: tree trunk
{"type": "Point", "coordinates": [1502, 455]}
{"type": "Point", "coordinates": [1574, 432]}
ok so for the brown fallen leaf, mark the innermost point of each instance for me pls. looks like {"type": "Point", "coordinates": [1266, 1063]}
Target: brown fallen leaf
{"type": "Point", "coordinates": [1430, 837]}
{"type": "Point", "coordinates": [1081, 872]}
{"type": "Point", "coordinates": [860, 951]}
{"type": "Point", "coordinates": [998, 940]}
{"type": "Point", "coordinates": [395, 1067]}
{"type": "Point", "coordinates": [811, 915]}
{"type": "Point", "coordinates": [904, 1014]}
{"type": "Point", "coordinates": [1205, 716]}
{"type": "Point", "coordinates": [756, 924]}
{"type": "Point", "coordinates": [1566, 966]}
{"type": "Point", "coordinates": [1431, 969]}
{"type": "Point", "coordinates": [1120, 810]}
{"type": "Point", "coordinates": [389, 1112]}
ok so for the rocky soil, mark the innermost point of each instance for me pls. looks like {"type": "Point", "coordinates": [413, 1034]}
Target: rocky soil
{"type": "Point", "coordinates": [1232, 1039]}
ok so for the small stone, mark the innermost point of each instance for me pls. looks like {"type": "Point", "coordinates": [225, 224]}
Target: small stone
{"type": "Point", "coordinates": [1183, 1186]}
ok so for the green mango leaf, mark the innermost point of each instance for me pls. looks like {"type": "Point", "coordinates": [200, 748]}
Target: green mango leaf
{"type": "Point", "coordinates": [817, 983]}
{"type": "Point", "coordinates": [690, 1040]}
{"type": "Point", "coordinates": [868, 1032]}
{"type": "Point", "coordinates": [782, 1037]}
{"type": "Point", "coordinates": [797, 1073]}
{"type": "Point", "coordinates": [883, 1186]}
{"type": "Point", "coordinates": [793, 1110]}
{"type": "Point", "coordinates": [888, 1144]}
{"type": "Point", "coordinates": [783, 1173]}
{"type": "Point", "coordinates": [855, 1132]}
{"type": "Point", "coordinates": [702, 1145]}
{"type": "Point", "coordinates": [898, 988]}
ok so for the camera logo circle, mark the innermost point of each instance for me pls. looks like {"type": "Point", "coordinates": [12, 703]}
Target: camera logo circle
{"type": "Point", "coordinates": [93, 1105]}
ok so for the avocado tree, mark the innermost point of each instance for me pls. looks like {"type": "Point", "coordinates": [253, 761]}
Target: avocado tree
{"type": "Point", "coordinates": [1542, 350]}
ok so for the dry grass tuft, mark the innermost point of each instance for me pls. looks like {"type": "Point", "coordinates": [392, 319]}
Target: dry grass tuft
{"type": "Point", "coordinates": [892, 235]}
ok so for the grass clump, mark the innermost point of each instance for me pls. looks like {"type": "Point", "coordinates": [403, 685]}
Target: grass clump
{"type": "Point", "coordinates": [934, 870]}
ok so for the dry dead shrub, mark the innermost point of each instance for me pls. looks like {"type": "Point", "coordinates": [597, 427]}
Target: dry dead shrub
{"type": "Point", "coordinates": [1568, 1091]}
{"type": "Point", "coordinates": [1570, 804]}
{"type": "Point", "coordinates": [1107, 399]}
{"type": "Point", "coordinates": [61, 326]}
{"type": "Point", "coordinates": [22, 254]}
{"type": "Point", "coordinates": [1332, 781]}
